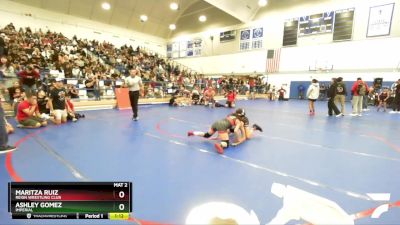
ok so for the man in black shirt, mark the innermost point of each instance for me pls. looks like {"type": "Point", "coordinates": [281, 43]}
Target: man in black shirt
{"type": "Point", "coordinates": [57, 102]}
{"type": "Point", "coordinates": [331, 99]}
{"type": "Point", "coordinates": [341, 94]}
{"type": "Point", "coordinates": [42, 101]}
{"type": "Point", "coordinates": [396, 101]}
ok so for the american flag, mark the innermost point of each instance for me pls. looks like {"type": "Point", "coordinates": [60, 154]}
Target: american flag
{"type": "Point", "coordinates": [273, 59]}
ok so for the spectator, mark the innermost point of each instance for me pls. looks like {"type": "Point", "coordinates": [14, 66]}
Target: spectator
{"type": "Point", "coordinates": [28, 78]}
{"type": "Point", "coordinates": [4, 147]}
{"type": "Point", "coordinates": [19, 96]}
{"type": "Point", "coordinates": [231, 99]}
{"type": "Point", "coordinates": [341, 94]}
{"type": "Point", "coordinates": [312, 95]}
{"type": "Point", "coordinates": [2, 45]}
{"type": "Point", "coordinates": [6, 68]}
{"type": "Point", "coordinates": [396, 101]}
{"type": "Point", "coordinates": [208, 96]}
{"type": "Point", "coordinates": [332, 108]}
{"type": "Point", "coordinates": [92, 87]}
{"type": "Point", "coordinates": [43, 104]}
{"type": "Point", "coordinates": [252, 87]}
{"type": "Point", "coordinates": [196, 95]}
{"type": "Point", "coordinates": [72, 91]}
{"type": "Point", "coordinates": [3, 66]}
{"type": "Point", "coordinates": [382, 98]}
{"type": "Point", "coordinates": [358, 91]}
{"type": "Point", "coordinates": [28, 115]}
{"type": "Point", "coordinates": [365, 97]}
{"type": "Point", "coordinates": [300, 89]}
{"type": "Point", "coordinates": [72, 114]}
{"type": "Point", "coordinates": [281, 94]}
{"type": "Point", "coordinates": [76, 71]}
{"type": "Point", "coordinates": [11, 91]}
{"type": "Point", "coordinates": [322, 91]}
{"type": "Point", "coordinates": [271, 92]}
{"type": "Point", "coordinates": [57, 103]}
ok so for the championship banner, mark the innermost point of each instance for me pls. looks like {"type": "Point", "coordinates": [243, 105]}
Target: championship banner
{"type": "Point", "coordinates": [380, 20]}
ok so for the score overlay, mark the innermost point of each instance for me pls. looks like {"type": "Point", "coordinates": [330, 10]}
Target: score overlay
{"type": "Point", "coordinates": [70, 200]}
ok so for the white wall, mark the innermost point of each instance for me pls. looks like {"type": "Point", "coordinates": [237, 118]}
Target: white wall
{"type": "Point", "coordinates": [361, 53]}
{"type": "Point", "coordinates": [225, 64]}
{"type": "Point", "coordinates": [70, 26]}
{"type": "Point", "coordinates": [376, 54]}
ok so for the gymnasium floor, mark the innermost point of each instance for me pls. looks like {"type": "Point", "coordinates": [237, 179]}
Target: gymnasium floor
{"type": "Point", "coordinates": [340, 159]}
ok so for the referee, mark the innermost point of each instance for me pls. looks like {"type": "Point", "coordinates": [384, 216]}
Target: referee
{"type": "Point", "coordinates": [134, 83]}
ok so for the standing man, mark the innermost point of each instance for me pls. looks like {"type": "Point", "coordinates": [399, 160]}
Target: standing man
{"type": "Point", "coordinates": [365, 97]}
{"type": "Point", "coordinates": [28, 77]}
{"type": "Point", "coordinates": [2, 45]}
{"type": "Point", "coordinates": [300, 88]}
{"type": "Point", "coordinates": [282, 93]}
{"type": "Point", "coordinates": [331, 100]}
{"type": "Point", "coordinates": [57, 102]}
{"type": "Point", "coordinates": [396, 101]}
{"type": "Point", "coordinates": [358, 90]}
{"type": "Point", "coordinates": [134, 83]}
{"type": "Point", "coordinates": [341, 94]}
{"type": "Point", "coordinates": [3, 134]}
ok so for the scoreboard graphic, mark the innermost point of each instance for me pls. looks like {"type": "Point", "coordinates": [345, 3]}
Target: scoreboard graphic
{"type": "Point", "coordinates": [316, 24]}
{"type": "Point", "coordinates": [70, 200]}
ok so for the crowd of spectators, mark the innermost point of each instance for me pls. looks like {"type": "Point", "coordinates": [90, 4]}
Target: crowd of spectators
{"type": "Point", "coordinates": [95, 68]}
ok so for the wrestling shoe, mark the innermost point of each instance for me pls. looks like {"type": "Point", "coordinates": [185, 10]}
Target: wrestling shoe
{"type": "Point", "coordinates": [256, 127]}
{"type": "Point", "coordinates": [7, 148]}
{"type": "Point", "coordinates": [339, 115]}
{"type": "Point", "coordinates": [219, 148]}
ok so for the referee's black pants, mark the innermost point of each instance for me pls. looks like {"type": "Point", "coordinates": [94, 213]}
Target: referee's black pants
{"type": "Point", "coordinates": [332, 107]}
{"type": "Point", "coordinates": [134, 98]}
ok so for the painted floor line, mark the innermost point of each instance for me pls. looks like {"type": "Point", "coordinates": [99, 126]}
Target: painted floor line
{"type": "Point", "coordinates": [276, 172]}
{"type": "Point", "coordinates": [310, 144]}
{"type": "Point", "coordinates": [14, 175]}
{"type": "Point", "coordinates": [318, 119]}
{"type": "Point", "coordinates": [75, 172]}
{"type": "Point", "coordinates": [330, 148]}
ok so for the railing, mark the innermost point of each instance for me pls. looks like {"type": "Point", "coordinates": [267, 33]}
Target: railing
{"type": "Point", "coordinates": [105, 89]}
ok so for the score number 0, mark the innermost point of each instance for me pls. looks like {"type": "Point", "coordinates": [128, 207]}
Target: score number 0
{"type": "Point", "coordinates": [121, 195]}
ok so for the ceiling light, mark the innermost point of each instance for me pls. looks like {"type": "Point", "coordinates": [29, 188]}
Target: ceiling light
{"type": "Point", "coordinates": [262, 3]}
{"type": "Point", "coordinates": [202, 18]}
{"type": "Point", "coordinates": [172, 26]}
{"type": "Point", "coordinates": [143, 18]}
{"type": "Point", "coordinates": [174, 6]}
{"type": "Point", "coordinates": [106, 6]}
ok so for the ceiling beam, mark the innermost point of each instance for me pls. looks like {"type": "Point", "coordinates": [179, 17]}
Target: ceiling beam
{"type": "Point", "coordinates": [242, 10]}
